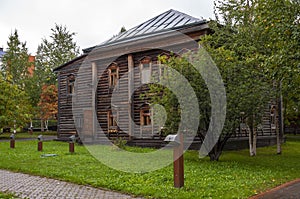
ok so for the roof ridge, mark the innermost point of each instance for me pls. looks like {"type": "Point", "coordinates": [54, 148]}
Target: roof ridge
{"type": "Point", "coordinates": [170, 19]}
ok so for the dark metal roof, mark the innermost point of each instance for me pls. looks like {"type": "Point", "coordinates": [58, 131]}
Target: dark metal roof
{"type": "Point", "coordinates": [161, 24]}
{"type": "Point", "coordinates": [169, 20]}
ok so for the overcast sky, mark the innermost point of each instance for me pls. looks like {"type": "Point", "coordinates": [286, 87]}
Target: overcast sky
{"type": "Point", "coordinates": [93, 21]}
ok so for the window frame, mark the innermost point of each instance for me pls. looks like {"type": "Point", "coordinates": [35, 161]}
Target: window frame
{"type": "Point", "coordinates": [145, 60]}
{"type": "Point", "coordinates": [113, 76]}
{"type": "Point", "coordinates": [112, 121]}
{"type": "Point", "coordinates": [145, 116]}
{"type": "Point", "coordinates": [71, 79]}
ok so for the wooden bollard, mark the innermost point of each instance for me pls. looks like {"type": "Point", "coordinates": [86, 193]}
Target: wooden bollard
{"type": "Point", "coordinates": [71, 147]}
{"type": "Point", "coordinates": [40, 146]}
{"type": "Point", "coordinates": [178, 164]}
{"type": "Point", "coordinates": [72, 144]}
{"type": "Point", "coordinates": [12, 141]}
{"type": "Point", "coordinates": [40, 142]}
{"type": "Point", "coordinates": [178, 169]}
{"type": "Point", "coordinates": [12, 144]}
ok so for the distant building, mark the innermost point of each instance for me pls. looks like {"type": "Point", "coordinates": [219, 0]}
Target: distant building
{"type": "Point", "coordinates": [1, 55]}
{"type": "Point", "coordinates": [31, 59]}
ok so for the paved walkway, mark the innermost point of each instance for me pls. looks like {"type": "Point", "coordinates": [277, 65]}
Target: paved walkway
{"type": "Point", "coordinates": [290, 190]}
{"type": "Point", "coordinates": [26, 186]}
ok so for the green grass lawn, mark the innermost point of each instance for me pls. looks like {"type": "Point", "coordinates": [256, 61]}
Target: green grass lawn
{"type": "Point", "coordinates": [236, 175]}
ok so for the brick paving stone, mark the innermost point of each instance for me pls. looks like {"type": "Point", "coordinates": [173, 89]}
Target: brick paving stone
{"type": "Point", "coordinates": [35, 187]}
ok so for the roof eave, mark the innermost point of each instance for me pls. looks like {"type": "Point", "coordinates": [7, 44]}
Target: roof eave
{"type": "Point", "coordinates": [87, 50]}
{"type": "Point", "coordinates": [69, 62]}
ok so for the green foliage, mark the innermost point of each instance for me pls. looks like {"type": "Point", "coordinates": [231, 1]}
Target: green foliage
{"type": "Point", "coordinates": [14, 105]}
{"type": "Point", "coordinates": [254, 45]}
{"type": "Point", "coordinates": [15, 61]}
{"type": "Point", "coordinates": [123, 29]}
{"type": "Point", "coordinates": [247, 90]}
{"type": "Point", "coordinates": [48, 102]}
{"type": "Point", "coordinates": [14, 101]}
{"type": "Point", "coordinates": [119, 143]}
{"type": "Point", "coordinates": [234, 176]}
{"type": "Point", "coordinates": [268, 32]}
{"type": "Point", "coordinates": [169, 100]}
{"type": "Point", "coordinates": [54, 52]}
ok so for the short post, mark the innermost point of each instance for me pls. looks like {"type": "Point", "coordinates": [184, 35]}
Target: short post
{"type": "Point", "coordinates": [12, 141]}
{"type": "Point", "coordinates": [178, 164]}
{"type": "Point", "coordinates": [72, 144]}
{"type": "Point", "coordinates": [40, 142]}
{"type": "Point", "coordinates": [177, 142]}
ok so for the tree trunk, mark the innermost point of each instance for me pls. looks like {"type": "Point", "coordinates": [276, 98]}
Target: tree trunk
{"type": "Point", "coordinates": [278, 142]}
{"type": "Point", "coordinates": [254, 141]}
{"type": "Point", "coordinates": [279, 127]}
{"type": "Point", "coordinates": [251, 143]}
{"type": "Point", "coordinates": [46, 124]}
{"type": "Point", "coordinates": [216, 151]}
{"type": "Point", "coordinates": [42, 125]}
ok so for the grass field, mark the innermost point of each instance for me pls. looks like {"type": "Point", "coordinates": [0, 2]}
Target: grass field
{"type": "Point", "coordinates": [236, 175]}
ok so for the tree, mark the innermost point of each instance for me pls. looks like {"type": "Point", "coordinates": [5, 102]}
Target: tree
{"type": "Point", "coordinates": [52, 53]}
{"type": "Point", "coordinates": [246, 92]}
{"type": "Point", "coordinates": [48, 103]}
{"type": "Point", "coordinates": [254, 44]}
{"type": "Point", "coordinates": [123, 29]}
{"type": "Point", "coordinates": [15, 62]}
{"type": "Point", "coordinates": [14, 105]}
{"type": "Point", "coordinates": [267, 31]}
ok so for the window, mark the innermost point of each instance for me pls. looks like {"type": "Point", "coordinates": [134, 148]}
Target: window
{"type": "Point", "coordinates": [145, 116]}
{"type": "Point", "coordinates": [112, 122]}
{"type": "Point", "coordinates": [71, 84]}
{"type": "Point", "coordinates": [145, 66]}
{"type": "Point", "coordinates": [113, 73]}
{"type": "Point", "coordinates": [162, 58]}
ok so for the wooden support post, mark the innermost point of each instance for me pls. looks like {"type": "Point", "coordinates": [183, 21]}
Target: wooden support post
{"type": "Point", "coordinates": [130, 90]}
{"type": "Point", "coordinates": [94, 92]}
{"type": "Point", "coordinates": [178, 164]}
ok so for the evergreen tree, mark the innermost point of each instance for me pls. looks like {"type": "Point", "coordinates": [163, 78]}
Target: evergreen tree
{"type": "Point", "coordinates": [15, 62]}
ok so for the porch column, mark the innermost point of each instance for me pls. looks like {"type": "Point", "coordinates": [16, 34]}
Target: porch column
{"type": "Point", "coordinates": [130, 91]}
{"type": "Point", "coordinates": [94, 98]}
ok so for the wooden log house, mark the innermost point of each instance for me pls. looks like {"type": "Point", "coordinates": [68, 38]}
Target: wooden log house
{"type": "Point", "coordinates": [121, 65]}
